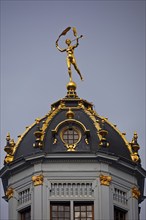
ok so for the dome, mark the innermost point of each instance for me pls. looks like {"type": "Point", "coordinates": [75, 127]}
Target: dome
{"type": "Point", "coordinates": [72, 127]}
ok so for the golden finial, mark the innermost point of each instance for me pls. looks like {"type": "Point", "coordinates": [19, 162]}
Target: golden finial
{"type": "Point", "coordinates": [70, 60]}
{"type": "Point", "coordinates": [71, 87]}
{"type": "Point", "coordinates": [9, 148]}
{"type": "Point", "coordinates": [70, 114]}
{"type": "Point", "coordinates": [37, 120]}
{"type": "Point", "coordinates": [103, 142]}
{"type": "Point", "coordinates": [135, 147]}
{"type": "Point", "coordinates": [38, 134]}
{"type": "Point", "coordinates": [8, 137]}
{"type": "Point", "coordinates": [134, 143]}
{"type": "Point", "coordinates": [124, 133]}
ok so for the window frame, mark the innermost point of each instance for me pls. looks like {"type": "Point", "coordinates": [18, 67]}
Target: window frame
{"type": "Point", "coordinates": [67, 128]}
{"type": "Point", "coordinates": [121, 211]}
{"type": "Point", "coordinates": [72, 209]}
{"type": "Point", "coordinates": [84, 204]}
{"type": "Point", "coordinates": [24, 211]}
{"type": "Point", "coordinates": [61, 204]}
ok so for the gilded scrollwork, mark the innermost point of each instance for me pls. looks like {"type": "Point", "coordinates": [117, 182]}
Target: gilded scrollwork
{"type": "Point", "coordinates": [135, 192]}
{"type": "Point", "coordinates": [38, 179]}
{"type": "Point", "coordinates": [105, 180]}
{"type": "Point", "coordinates": [9, 193]}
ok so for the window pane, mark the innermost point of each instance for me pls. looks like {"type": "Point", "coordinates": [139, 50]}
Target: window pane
{"type": "Point", "coordinates": [77, 208]}
{"type": "Point", "coordinates": [60, 208]}
{"type": "Point", "coordinates": [54, 208]}
{"type": "Point", "coordinates": [89, 208]}
{"type": "Point", "coordinates": [83, 212]}
{"type": "Point", "coordinates": [83, 208]}
{"type": "Point", "coordinates": [60, 211]}
{"type": "Point", "coordinates": [119, 214]}
{"type": "Point", "coordinates": [25, 214]}
{"type": "Point", "coordinates": [67, 208]}
{"type": "Point", "coordinates": [67, 214]}
{"type": "Point", "coordinates": [60, 214]}
{"type": "Point", "coordinates": [89, 214]}
{"type": "Point", "coordinates": [54, 214]}
{"type": "Point", "coordinates": [71, 135]}
{"type": "Point", "coordinates": [77, 214]}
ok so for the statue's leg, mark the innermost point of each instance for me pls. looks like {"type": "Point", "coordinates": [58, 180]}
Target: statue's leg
{"type": "Point", "coordinates": [78, 71]}
{"type": "Point", "coordinates": [69, 69]}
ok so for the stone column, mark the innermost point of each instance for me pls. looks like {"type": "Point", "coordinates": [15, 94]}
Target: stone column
{"type": "Point", "coordinates": [12, 203]}
{"type": "Point", "coordinates": [133, 203]}
{"type": "Point", "coordinates": [104, 197]}
{"type": "Point", "coordinates": [71, 210]}
{"type": "Point", "coordinates": [37, 197]}
{"type": "Point", "coordinates": [96, 187]}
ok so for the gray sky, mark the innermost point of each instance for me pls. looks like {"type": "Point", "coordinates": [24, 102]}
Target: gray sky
{"type": "Point", "coordinates": [111, 57]}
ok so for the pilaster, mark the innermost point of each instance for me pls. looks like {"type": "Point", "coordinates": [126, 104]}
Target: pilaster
{"type": "Point", "coordinates": [37, 196]}
{"type": "Point", "coordinates": [104, 197]}
{"type": "Point", "coordinates": [133, 203]}
{"type": "Point", "coordinates": [13, 202]}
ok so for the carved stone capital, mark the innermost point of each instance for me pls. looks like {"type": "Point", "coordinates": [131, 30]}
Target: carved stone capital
{"type": "Point", "coordinates": [135, 192]}
{"type": "Point", "coordinates": [105, 180]}
{"type": "Point", "coordinates": [10, 193]}
{"type": "Point", "coordinates": [38, 180]}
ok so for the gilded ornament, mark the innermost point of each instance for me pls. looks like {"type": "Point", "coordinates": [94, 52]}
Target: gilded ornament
{"type": "Point", "coordinates": [10, 192]}
{"type": "Point", "coordinates": [8, 158]}
{"type": "Point", "coordinates": [135, 147]}
{"type": "Point", "coordinates": [86, 141]}
{"type": "Point", "coordinates": [38, 180]}
{"type": "Point", "coordinates": [9, 149]}
{"type": "Point", "coordinates": [71, 87]}
{"type": "Point", "coordinates": [135, 192]}
{"type": "Point", "coordinates": [105, 180]}
{"type": "Point", "coordinates": [70, 147]}
{"type": "Point", "coordinates": [103, 133]}
{"type": "Point", "coordinates": [70, 114]}
{"type": "Point", "coordinates": [135, 157]}
{"type": "Point", "coordinates": [123, 133]}
{"type": "Point", "coordinates": [38, 142]}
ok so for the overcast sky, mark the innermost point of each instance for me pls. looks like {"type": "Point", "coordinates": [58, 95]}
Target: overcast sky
{"type": "Point", "coordinates": [111, 57]}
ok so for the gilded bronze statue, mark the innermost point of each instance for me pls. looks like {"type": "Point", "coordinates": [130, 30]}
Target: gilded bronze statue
{"type": "Point", "coordinates": [70, 60]}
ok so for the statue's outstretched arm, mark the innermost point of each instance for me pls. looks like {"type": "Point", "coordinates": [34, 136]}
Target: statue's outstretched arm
{"type": "Point", "coordinates": [77, 43]}
{"type": "Point", "coordinates": [61, 50]}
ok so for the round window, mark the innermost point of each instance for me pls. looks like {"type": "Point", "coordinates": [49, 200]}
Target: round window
{"type": "Point", "coordinates": [70, 135]}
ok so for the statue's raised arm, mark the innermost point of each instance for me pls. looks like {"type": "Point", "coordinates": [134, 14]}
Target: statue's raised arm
{"type": "Point", "coordinates": [70, 59]}
{"type": "Point", "coordinates": [57, 46]}
{"type": "Point", "coordinates": [63, 33]}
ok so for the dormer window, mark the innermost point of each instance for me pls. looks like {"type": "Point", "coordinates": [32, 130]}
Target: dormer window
{"type": "Point", "coordinates": [71, 132]}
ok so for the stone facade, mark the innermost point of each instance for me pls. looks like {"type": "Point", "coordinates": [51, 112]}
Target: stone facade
{"type": "Point", "coordinates": [71, 182]}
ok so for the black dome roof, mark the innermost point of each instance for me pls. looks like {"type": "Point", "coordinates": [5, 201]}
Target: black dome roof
{"type": "Point", "coordinates": [72, 126]}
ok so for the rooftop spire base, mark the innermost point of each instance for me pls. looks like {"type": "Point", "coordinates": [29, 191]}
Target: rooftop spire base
{"type": "Point", "coordinates": [71, 87]}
